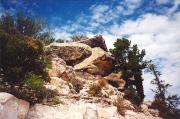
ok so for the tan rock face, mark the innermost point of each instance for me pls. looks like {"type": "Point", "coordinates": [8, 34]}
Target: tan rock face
{"type": "Point", "coordinates": [58, 84]}
{"type": "Point", "coordinates": [71, 53]}
{"type": "Point", "coordinates": [60, 69]}
{"type": "Point", "coordinates": [99, 63]}
{"type": "Point", "coordinates": [12, 108]}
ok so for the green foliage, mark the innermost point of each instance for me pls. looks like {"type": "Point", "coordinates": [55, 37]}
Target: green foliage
{"type": "Point", "coordinates": [34, 81]}
{"type": "Point", "coordinates": [21, 53]}
{"type": "Point", "coordinates": [27, 25]}
{"type": "Point", "coordinates": [129, 60]}
{"type": "Point", "coordinates": [60, 40]}
{"type": "Point", "coordinates": [23, 64]}
{"type": "Point", "coordinates": [132, 95]}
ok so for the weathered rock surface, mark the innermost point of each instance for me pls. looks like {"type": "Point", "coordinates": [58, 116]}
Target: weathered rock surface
{"type": "Point", "coordinates": [12, 108]}
{"type": "Point", "coordinates": [58, 67]}
{"type": "Point", "coordinates": [129, 114]}
{"type": "Point", "coordinates": [96, 41]}
{"type": "Point", "coordinates": [72, 53]}
{"type": "Point", "coordinates": [58, 84]}
{"type": "Point", "coordinates": [99, 63]}
{"type": "Point", "coordinates": [61, 70]}
{"type": "Point", "coordinates": [78, 110]}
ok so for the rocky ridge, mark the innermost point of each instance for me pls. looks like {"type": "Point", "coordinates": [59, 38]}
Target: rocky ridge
{"type": "Point", "coordinates": [81, 74]}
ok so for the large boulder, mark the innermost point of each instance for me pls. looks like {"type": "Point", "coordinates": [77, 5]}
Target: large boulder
{"type": "Point", "coordinates": [96, 41]}
{"type": "Point", "coordinates": [12, 108]}
{"type": "Point", "coordinates": [99, 63]}
{"type": "Point", "coordinates": [72, 53]}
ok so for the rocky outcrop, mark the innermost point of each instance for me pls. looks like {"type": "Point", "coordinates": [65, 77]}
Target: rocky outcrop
{"type": "Point", "coordinates": [58, 84]}
{"type": "Point", "coordinates": [96, 41]}
{"type": "Point", "coordinates": [12, 108]}
{"type": "Point", "coordinates": [99, 63]}
{"type": "Point", "coordinates": [71, 53]}
{"type": "Point", "coordinates": [89, 55]}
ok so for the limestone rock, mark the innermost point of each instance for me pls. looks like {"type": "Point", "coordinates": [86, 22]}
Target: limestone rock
{"type": "Point", "coordinates": [71, 53]}
{"type": "Point", "coordinates": [12, 108]}
{"type": "Point", "coordinates": [99, 63]}
{"type": "Point", "coordinates": [135, 115]}
{"type": "Point", "coordinates": [61, 70]}
{"type": "Point", "coordinates": [90, 113]}
{"type": "Point", "coordinates": [58, 84]}
{"type": "Point", "coordinates": [77, 110]}
{"type": "Point", "coordinates": [96, 41]}
{"type": "Point", "coordinates": [58, 67]}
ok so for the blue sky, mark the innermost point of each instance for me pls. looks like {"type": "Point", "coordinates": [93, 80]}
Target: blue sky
{"type": "Point", "coordinates": [152, 24]}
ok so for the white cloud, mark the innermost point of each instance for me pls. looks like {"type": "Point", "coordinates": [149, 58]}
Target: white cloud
{"type": "Point", "coordinates": [163, 1]}
{"type": "Point", "coordinates": [96, 9]}
{"type": "Point", "coordinates": [160, 36]}
{"type": "Point", "coordinates": [128, 7]}
{"type": "Point", "coordinates": [175, 7]}
{"type": "Point", "coordinates": [59, 33]}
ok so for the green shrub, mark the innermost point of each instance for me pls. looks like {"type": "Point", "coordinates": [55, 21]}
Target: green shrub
{"type": "Point", "coordinates": [34, 81]}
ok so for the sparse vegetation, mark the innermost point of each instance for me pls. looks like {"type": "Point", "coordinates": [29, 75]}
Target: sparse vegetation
{"type": "Point", "coordinates": [121, 106]}
{"type": "Point", "coordinates": [95, 89]}
{"type": "Point", "coordinates": [79, 37]}
{"type": "Point", "coordinates": [75, 84]}
{"type": "Point", "coordinates": [53, 101]}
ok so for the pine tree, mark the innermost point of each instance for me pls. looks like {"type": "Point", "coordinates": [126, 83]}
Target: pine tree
{"type": "Point", "coordinates": [166, 104]}
{"type": "Point", "coordinates": [129, 60]}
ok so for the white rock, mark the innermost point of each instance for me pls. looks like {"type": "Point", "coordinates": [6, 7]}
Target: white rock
{"type": "Point", "coordinates": [12, 108]}
{"type": "Point", "coordinates": [78, 110]}
{"type": "Point", "coordinates": [58, 84]}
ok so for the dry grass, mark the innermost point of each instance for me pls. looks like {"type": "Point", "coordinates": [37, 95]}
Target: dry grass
{"type": "Point", "coordinates": [101, 83]}
{"type": "Point", "coordinates": [94, 89]}
{"type": "Point", "coordinates": [121, 106]}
